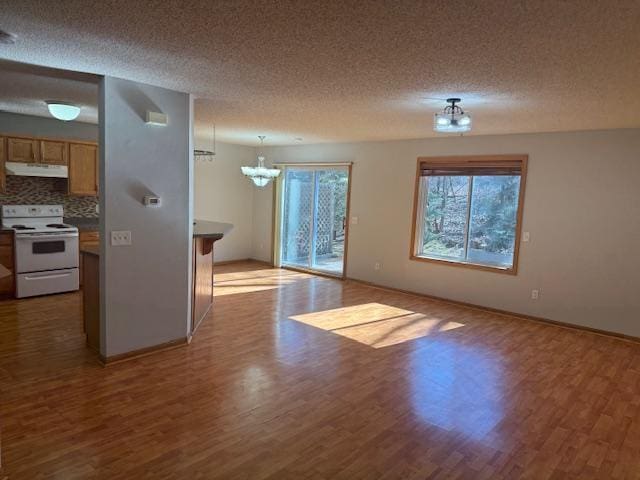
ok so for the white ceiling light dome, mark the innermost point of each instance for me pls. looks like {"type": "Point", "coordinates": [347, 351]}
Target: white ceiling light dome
{"type": "Point", "coordinates": [452, 119]}
{"type": "Point", "coordinates": [63, 110]}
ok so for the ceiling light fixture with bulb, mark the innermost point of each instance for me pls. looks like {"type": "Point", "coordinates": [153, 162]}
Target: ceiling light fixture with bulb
{"type": "Point", "coordinates": [452, 119]}
{"type": "Point", "coordinates": [260, 175]}
{"type": "Point", "coordinates": [64, 111]}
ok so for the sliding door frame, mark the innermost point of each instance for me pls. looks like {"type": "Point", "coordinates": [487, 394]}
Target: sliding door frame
{"type": "Point", "coordinates": [276, 224]}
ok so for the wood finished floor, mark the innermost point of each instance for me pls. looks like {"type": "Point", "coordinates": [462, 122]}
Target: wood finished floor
{"type": "Point", "coordinates": [275, 387]}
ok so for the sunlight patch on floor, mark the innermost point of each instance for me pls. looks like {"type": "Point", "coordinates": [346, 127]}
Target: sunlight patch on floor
{"type": "Point", "coordinates": [376, 324]}
{"type": "Point", "coordinates": [253, 281]}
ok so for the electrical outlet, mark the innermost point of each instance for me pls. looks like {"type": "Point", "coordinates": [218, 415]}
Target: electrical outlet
{"type": "Point", "coordinates": [526, 236]}
{"type": "Point", "coordinates": [120, 237]}
{"type": "Point", "coordinates": [535, 294]}
{"type": "Point", "coordinates": [354, 220]}
{"type": "Point", "coordinates": [377, 266]}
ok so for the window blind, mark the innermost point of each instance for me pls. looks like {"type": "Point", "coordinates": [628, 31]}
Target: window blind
{"type": "Point", "coordinates": [460, 167]}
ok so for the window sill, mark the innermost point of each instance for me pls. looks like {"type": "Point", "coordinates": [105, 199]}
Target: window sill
{"type": "Point", "coordinates": [456, 263]}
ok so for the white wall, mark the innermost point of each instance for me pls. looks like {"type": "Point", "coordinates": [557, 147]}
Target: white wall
{"type": "Point", "coordinates": [145, 287]}
{"type": "Point", "coordinates": [223, 194]}
{"type": "Point", "coordinates": [582, 207]}
{"type": "Point", "coordinates": [47, 127]}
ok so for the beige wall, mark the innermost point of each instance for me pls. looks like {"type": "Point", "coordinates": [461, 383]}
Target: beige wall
{"type": "Point", "coordinates": [582, 208]}
{"type": "Point", "coordinates": [223, 194]}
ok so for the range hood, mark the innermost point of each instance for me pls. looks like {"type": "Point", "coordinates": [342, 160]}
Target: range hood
{"type": "Point", "coordinates": [36, 170]}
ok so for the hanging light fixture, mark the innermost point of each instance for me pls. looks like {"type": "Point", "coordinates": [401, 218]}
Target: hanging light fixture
{"type": "Point", "coordinates": [260, 174]}
{"type": "Point", "coordinates": [63, 110]}
{"type": "Point", "coordinates": [452, 119]}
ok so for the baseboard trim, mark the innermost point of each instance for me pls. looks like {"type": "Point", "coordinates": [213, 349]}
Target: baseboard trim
{"type": "Point", "coordinates": [262, 262]}
{"type": "Point", "coordinates": [506, 313]}
{"type": "Point", "coordinates": [143, 352]}
{"type": "Point", "coordinates": [312, 272]}
{"type": "Point", "coordinates": [242, 260]}
{"type": "Point", "coordinates": [231, 262]}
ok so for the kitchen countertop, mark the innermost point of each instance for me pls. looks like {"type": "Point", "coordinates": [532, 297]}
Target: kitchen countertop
{"type": "Point", "coordinates": [213, 230]}
{"type": "Point", "coordinates": [201, 228]}
{"type": "Point", "coordinates": [84, 223]}
{"type": "Point", "coordinates": [91, 250]}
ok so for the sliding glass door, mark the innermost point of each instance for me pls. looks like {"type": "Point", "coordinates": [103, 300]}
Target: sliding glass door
{"type": "Point", "coordinates": [313, 225]}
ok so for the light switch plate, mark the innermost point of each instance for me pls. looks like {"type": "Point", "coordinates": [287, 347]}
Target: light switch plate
{"type": "Point", "coordinates": [526, 236]}
{"type": "Point", "coordinates": [354, 220]}
{"type": "Point", "coordinates": [120, 238]}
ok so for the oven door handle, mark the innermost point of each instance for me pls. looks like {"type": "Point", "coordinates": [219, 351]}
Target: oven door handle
{"type": "Point", "coordinates": [47, 276]}
{"type": "Point", "coordinates": [37, 236]}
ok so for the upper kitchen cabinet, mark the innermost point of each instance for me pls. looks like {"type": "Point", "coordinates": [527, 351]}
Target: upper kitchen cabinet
{"type": "Point", "coordinates": [53, 153]}
{"type": "Point", "coordinates": [83, 169]}
{"type": "Point", "coordinates": [23, 150]}
{"type": "Point", "coordinates": [3, 155]}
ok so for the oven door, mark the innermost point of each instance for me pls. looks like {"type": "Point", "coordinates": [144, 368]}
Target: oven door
{"type": "Point", "coordinates": [38, 252]}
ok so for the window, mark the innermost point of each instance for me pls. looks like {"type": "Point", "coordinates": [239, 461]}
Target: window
{"type": "Point", "coordinates": [468, 211]}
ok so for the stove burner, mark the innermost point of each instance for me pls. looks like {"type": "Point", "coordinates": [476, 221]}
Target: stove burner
{"type": "Point", "coordinates": [57, 225]}
{"type": "Point", "coordinates": [22, 227]}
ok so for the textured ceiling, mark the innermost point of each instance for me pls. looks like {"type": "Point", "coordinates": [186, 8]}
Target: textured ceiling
{"type": "Point", "coordinates": [353, 70]}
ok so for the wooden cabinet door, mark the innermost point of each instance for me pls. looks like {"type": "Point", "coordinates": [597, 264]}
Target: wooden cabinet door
{"type": "Point", "coordinates": [24, 150]}
{"type": "Point", "coordinates": [3, 157]}
{"type": "Point", "coordinates": [6, 259]}
{"type": "Point", "coordinates": [53, 153]}
{"type": "Point", "coordinates": [83, 169]}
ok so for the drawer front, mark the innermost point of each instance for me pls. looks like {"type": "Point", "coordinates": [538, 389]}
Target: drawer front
{"type": "Point", "coordinates": [43, 283]}
{"type": "Point", "coordinates": [89, 237]}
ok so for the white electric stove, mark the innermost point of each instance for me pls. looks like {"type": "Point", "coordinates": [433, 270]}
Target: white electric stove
{"type": "Point", "coordinates": [46, 249]}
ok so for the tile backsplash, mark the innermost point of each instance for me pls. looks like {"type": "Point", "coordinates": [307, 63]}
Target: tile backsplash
{"type": "Point", "coordinates": [47, 191]}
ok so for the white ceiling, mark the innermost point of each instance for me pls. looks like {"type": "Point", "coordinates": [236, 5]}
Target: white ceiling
{"type": "Point", "coordinates": [349, 70]}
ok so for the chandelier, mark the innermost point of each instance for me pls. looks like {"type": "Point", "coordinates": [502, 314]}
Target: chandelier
{"type": "Point", "coordinates": [260, 174]}
{"type": "Point", "coordinates": [452, 119]}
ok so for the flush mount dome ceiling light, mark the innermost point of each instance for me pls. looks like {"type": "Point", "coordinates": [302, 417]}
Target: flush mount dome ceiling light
{"type": "Point", "coordinates": [260, 175]}
{"type": "Point", "coordinates": [452, 119]}
{"type": "Point", "coordinates": [63, 110]}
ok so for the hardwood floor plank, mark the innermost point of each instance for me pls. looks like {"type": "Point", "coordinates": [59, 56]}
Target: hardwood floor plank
{"type": "Point", "coordinates": [293, 376]}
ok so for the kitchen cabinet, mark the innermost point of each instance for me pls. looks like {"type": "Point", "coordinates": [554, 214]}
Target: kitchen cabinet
{"type": "Point", "coordinates": [3, 158]}
{"type": "Point", "coordinates": [87, 239]}
{"type": "Point", "coordinates": [83, 169]}
{"type": "Point", "coordinates": [53, 153]}
{"type": "Point", "coordinates": [91, 296]}
{"type": "Point", "coordinates": [205, 234]}
{"type": "Point", "coordinates": [7, 260]}
{"type": "Point", "coordinates": [202, 280]}
{"type": "Point", "coordinates": [23, 150]}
